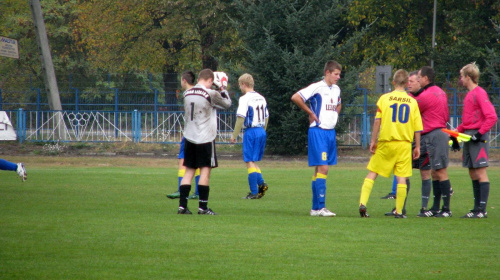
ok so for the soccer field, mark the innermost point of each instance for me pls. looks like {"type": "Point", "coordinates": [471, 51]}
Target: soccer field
{"type": "Point", "coordinates": [108, 218]}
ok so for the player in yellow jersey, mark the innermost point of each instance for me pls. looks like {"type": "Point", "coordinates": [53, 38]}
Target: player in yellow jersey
{"type": "Point", "coordinates": [397, 122]}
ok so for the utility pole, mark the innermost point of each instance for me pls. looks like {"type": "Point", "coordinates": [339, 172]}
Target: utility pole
{"type": "Point", "coordinates": [49, 75]}
{"type": "Point", "coordinates": [434, 31]}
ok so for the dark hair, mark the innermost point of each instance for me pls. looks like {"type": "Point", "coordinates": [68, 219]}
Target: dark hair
{"type": "Point", "coordinates": [188, 76]}
{"type": "Point", "coordinates": [332, 65]}
{"type": "Point", "coordinates": [206, 74]}
{"type": "Point", "coordinates": [413, 73]}
{"type": "Point", "coordinates": [428, 72]}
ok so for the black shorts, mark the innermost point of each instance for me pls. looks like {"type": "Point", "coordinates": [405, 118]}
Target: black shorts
{"type": "Point", "coordinates": [200, 155]}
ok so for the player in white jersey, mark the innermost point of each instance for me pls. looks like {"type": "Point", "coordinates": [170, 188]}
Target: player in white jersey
{"type": "Point", "coordinates": [325, 105]}
{"type": "Point", "coordinates": [252, 114]}
{"type": "Point", "coordinates": [200, 130]}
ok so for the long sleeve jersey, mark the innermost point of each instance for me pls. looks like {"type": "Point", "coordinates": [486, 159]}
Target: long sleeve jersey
{"type": "Point", "coordinates": [433, 106]}
{"type": "Point", "coordinates": [478, 112]}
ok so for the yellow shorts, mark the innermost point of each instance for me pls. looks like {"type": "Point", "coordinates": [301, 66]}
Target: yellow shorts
{"type": "Point", "coordinates": [393, 156]}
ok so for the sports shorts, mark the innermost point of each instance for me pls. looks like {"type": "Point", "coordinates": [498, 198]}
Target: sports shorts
{"type": "Point", "coordinates": [475, 155]}
{"type": "Point", "coordinates": [436, 144]}
{"type": "Point", "coordinates": [200, 155]}
{"type": "Point", "coordinates": [391, 157]}
{"type": "Point", "coordinates": [322, 146]}
{"type": "Point", "coordinates": [181, 152]}
{"type": "Point", "coordinates": [423, 162]}
{"type": "Point", "coordinates": [254, 143]}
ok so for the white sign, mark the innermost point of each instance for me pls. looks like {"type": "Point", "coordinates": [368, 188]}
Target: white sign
{"type": "Point", "coordinates": [7, 132]}
{"type": "Point", "coordinates": [9, 47]}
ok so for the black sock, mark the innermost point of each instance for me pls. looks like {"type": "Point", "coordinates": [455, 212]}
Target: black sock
{"type": "Point", "coordinates": [485, 192]}
{"type": "Point", "coordinates": [436, 190]}
{"type": "Point", "coordinates": [204, 192]}
{"type": "Point", "coordinates": [184, 190]}
{"type": "Point", "coordinates": [445, 193]}
{"type": "Point", "coordinates": [426, 192]}
{"type": "Point", "coordinates": [407, 192]}
{"type": "Point", "coordinates": [477, 194]}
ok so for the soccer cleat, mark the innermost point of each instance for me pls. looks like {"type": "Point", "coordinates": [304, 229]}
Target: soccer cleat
{"type": "Point", "coordinates": [362, 212]}
{"type": "Point", "coordinates": [443, 214]}
{"type": "Point", "coordinates": [314, 213]}
{"type": "Point", "coordinates": [427, 213]}
{"type": "Point", "coordinates": [323, 212]}
{"type": "Point", "coordinates": [194, 196]}
{"type": "Point", "coordinates": [252, 196]}
{"type": "Point", "coordinates": [206, 212]}
{"type": "Point", "coordinates": [262, 189]}
{"type": "Point", "coordinates": [21, 171]}
{"type": "Point", "coordinates": [183, 210]}
{"type": "Point", "coordinates": [471, 214]}
{"type": "Point", "coordinates": [399, 216]}
{"type": "Point", "coordinates": [392, 213]}
{"type": "Point", "coordinates": [389, 196]}
{"type": "Point", "coordinates": [480, 215]}
{"type": "Point", "coordinates": [174, 195]}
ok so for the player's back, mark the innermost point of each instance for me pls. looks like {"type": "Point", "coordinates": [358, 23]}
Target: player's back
{"type": "Point", "coordinates": [200, 117]}
{"type": "Point", "coordinates": [400, 117]}
{"type": "Point", "coordinates": [253, 107]}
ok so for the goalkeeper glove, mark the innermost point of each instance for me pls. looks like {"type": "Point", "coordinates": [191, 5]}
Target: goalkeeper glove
{"type": "Point", "coordinates": [455, 146]}
{"type": "Point", "coordinates": [476, 138]}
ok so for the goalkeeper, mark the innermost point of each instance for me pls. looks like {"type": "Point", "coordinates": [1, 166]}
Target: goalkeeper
{"type": "Point", "coordinates": [252, 114]}
{"type": "Point", "coordinates": [478, 117]}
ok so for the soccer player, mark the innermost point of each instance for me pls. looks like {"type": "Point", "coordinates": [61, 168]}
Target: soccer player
{"type": "Point", "coordinates": [187, 82]}
{"type": "Point", "coordinates": [200, 130]}
{"type": "Point", "coordinates": [252, 114]}
{"type": "Point", "coordinates": [478, 117]}
{"type": "Point", "coordinates": [325, 105]}
{"type": "Point", "coordinates": [433, 105]}
{"type": "Point", "coordinates": [18, 167]}
{"type": "Point", "coordinates": [397, 123]}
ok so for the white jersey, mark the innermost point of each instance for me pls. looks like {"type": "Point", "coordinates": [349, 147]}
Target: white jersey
{"type": "Point", "coordinates": [253, 107]}
{"type": "Point", "coordinates": [323, 101]}
{"type": "Point", "coordinates": [200, 114]}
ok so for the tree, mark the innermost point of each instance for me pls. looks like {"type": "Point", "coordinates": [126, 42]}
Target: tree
{"type": "Point", "coordinates": [287, 44]}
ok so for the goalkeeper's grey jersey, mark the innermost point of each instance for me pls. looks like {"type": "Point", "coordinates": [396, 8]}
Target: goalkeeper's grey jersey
{"type": "Point", "coordinates": [200, 114]}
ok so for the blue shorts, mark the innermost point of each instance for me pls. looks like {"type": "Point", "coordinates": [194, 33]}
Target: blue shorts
{"type": "Point", "coordinates": [254, 143]}
{"type": "Point", "coordinates": [322, 146]}
{"type": "Point", "coordinates": [181, 152]}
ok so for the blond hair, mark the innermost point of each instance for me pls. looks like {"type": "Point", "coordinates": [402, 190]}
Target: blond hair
{"type": "Point", "coordinates": [400, 78]}
{"type": "Point", "coordinates": [247, 80]}
{"type": "Point", "coordinates": [472, 71]}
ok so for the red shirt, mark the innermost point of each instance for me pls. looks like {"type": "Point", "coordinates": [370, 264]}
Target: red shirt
{"type": "Point", "coordinates": [433, 105]}
{"type": "Point", "coordinates": [478, 112]}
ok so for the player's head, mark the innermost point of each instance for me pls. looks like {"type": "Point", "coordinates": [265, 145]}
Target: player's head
{"type": "Point", "coordinates": [470, 70]}
{"type": "Point", "coordinates": [400, 78]}
{"type": "Point", "coordinates": [187, 79]}
{"type": "Point", "coordinates": [332, 72]}
{"type": "Point", "coordinates": [413, 84]}
{"type": "Point", "coordinates": [246, 80]}
{"type": "Point", "coordinates": [426, 75]}
{"type": "Point", "coordinates": [206, 77]}
{"type": "Point", "coordinates": [332, 65]}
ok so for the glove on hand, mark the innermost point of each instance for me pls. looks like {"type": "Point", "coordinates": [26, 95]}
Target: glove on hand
{"type": "Point", "coordinates": [476, 138]}
{"type": "Point", "coordinates": [220, 80]}
{"type": "Point", "coordinates": [455, 146]}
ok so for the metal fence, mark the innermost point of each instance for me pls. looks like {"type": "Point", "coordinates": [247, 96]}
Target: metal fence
{"type": "Point", "coordinates": [160, 127]}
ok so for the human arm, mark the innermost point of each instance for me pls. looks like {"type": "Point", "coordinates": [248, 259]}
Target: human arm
{"type": "Point", "coordinates": [297, 99]}
{"type": "Point", "coordinates": [373, 141]}
{"type": "Point", "coordinates": [237, 129]}
{"type": "Point", "coordinates": [221, 99]}
{"type": "Point", "coordinates": [267, 121]}
{"type": "Point", "coordinates": [416, 150]}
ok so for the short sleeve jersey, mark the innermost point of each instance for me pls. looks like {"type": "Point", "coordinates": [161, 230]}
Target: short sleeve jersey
{"type": "Point", "coordinates": [323, 101]}
{"type": "Point", "coordinates": [200, 115]}
{"type": "Point", "coordinates": [399, 115]}
{"type": "Point", "coordinates": [253, 107]}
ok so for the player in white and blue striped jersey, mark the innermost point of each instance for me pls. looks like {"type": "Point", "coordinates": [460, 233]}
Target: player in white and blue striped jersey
{"type": "Point", "coordinates": [323, 110]}
{"type": "Point", "coordinates": [253, 116]}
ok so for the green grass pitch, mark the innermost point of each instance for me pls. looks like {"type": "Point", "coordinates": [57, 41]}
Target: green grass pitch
{"type": "Point", "coordinates": [91, 219]}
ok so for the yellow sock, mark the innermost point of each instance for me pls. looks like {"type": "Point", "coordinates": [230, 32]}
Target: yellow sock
{"type": "Point", "coordinates": [181, 173]}
{"type": "Point", "coordinates": [366, 190]}
{"type": "Point", "coordinates": [197, 172]}
{"type": "Point", "coordinates": [400, 198]}
{"type": "Point", "coordinates": [252, 170]}
{"type": "Point", "coordinates": [258, 170]}
{"type": "Point", "coordinates": [321, 176]}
